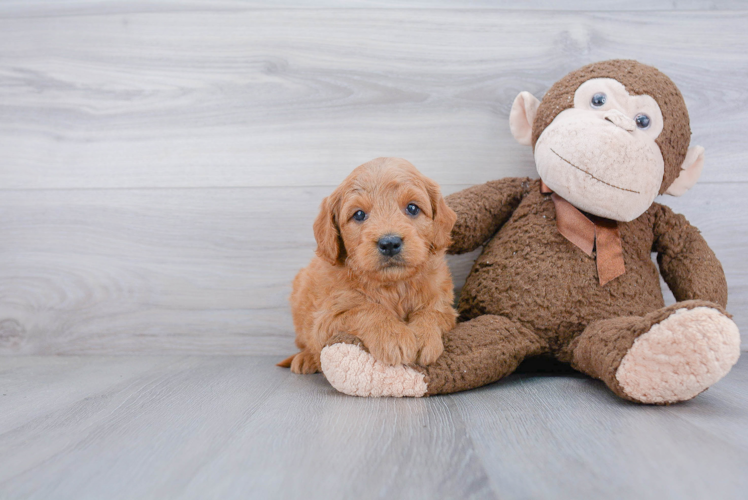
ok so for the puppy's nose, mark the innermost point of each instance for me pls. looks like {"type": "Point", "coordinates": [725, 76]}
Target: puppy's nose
{"type": "Point", "coordinates": [390, 245]}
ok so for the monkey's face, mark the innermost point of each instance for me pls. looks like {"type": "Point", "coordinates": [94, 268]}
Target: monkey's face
{"type": "Point", "coordinates": [601, 154]}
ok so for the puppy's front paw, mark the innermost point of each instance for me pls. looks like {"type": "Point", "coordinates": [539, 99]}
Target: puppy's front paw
{"type": "Point", "coordinates": [432, 348]}
{"type": "Point", "coordinates": [305, 363]}
{"type": "Point", "coordinates": [396, 348]}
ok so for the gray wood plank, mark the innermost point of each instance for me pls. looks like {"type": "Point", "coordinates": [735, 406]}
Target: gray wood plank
{"type": "Point", "coordinates": [48, 7]}
{"type": "Point", "coordinates": [348, 448]}
{"type": "Point", "coordinates": [208, 270]}
{"type": "Point", "coordinates": [197, 96]}
{"type": "Point", "coordinates": [105, 269]}
{"type": "Point", "coordinates": [569, 437]}
{"type": "Point", "coordinates": [238, 427]}
{"type": "Point", "coordinates": [726, 400]}
{"type": "Point", "coordinates": [31, 387]}
{"type": "Point", "coordinates": [150, 430]}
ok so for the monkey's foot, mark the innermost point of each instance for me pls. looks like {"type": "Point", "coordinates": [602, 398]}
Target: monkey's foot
{"type": "Point", "coordinates": [680, 357]}
{"type": "Point", "coordinates": [352, 370]}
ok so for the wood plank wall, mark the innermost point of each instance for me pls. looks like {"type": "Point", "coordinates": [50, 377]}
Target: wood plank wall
{"type": "Point", "coordinates": [161, 162]}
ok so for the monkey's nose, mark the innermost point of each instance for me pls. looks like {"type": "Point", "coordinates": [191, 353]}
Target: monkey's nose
{"type": "Point", "coordinates": [619, 119]}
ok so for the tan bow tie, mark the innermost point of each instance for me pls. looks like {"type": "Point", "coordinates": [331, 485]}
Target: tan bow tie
{"type": "Point", "coordinates": [590, 232]}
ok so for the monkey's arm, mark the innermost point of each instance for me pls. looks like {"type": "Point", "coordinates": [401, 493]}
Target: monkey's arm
{"type": "Point", "coordinates": [687, 264]}
{"type": "Point", "coordinates": [482, 210]}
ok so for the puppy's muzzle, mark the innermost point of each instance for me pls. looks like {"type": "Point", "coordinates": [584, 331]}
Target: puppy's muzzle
{"type": "Point", "coordinates": [390, 245]}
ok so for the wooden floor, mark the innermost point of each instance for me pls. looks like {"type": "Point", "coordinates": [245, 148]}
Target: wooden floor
{"type": "Point", "coordinates": [238, 427]}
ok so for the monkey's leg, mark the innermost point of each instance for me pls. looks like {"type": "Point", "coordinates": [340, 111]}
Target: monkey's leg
{"type": "Point", "coordinates": [670, 355]}
{"type": "Point", "coordinates": [476, 353]}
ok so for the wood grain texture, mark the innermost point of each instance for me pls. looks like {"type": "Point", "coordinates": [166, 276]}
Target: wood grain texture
{"type": "Point", "coordinates": [274, 97]}
{"type": "Point", "coordinates": [543, 454]}
{"type": "Point", "coordinates": [162, 162]}
{"type": "Point", "coordinates": [206, 270]}
{"type": "Point", "coordinates": [238, 427]}
{"type": "Point", "coordinates": [48, 7]}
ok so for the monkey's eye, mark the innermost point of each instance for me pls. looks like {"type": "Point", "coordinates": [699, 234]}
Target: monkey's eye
{"type": "Point", "coordinates": [598, 100]}
{"type": "Point", "coordinates": [413, 209]}
{"type": "Point", "coordinates": [359, 216]}
{"type": "Point", "coordinates": [642, 121]}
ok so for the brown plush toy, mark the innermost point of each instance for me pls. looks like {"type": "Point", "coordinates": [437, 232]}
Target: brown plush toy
{"type": "Point", "coordinates": [566, 269]}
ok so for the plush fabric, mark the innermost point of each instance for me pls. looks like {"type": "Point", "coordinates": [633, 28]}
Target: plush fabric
{"type": "Point", "coordinates": [639, 79]}
{"type": "Point", "coordinates": [530, 273]}
{"type": "Point", "coordinates": [578, 161]}
{"type": "Point", "coordinates": [687, 179]}
{"type": "Point", "coordinates": [603, 346]}
{"type": "Point", "coordinates": [533, 293]}
{"type": "Point", "coordinates": [676, 358]}
{"type": "Point", "coordinates": [352, 370]}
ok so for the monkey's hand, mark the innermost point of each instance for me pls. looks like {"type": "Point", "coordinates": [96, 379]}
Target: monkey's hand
{"type": "Point", "coordinates": [482, 210]}
{"type": "Point", "coordinates": [687, 264]}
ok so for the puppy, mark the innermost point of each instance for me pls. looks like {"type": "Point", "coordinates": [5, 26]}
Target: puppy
{"type": "Point", "coordinates": [379, 271]}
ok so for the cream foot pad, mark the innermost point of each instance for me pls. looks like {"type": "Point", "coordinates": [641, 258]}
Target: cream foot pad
{"type": "Point", "coordinates": [355, 372]}
{"type": "Point", "coordinates": [680, 357]}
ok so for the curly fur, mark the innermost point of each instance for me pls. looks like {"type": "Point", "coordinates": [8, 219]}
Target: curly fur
{"type": "Point", "coordinates": [398, 306]}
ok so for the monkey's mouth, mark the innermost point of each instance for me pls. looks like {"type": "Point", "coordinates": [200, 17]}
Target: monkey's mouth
{"type": "Point", "coordinates": [596, 178]}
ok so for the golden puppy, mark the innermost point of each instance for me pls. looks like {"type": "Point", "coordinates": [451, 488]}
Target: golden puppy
{"type": "Point", "coordinates": [379, 272]}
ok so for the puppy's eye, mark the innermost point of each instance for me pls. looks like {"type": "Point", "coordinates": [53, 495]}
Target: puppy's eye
{"type": "Point", "coordinates": [642, 121]}
{"type": "Point", "coordinates": [359, 216]}
{"type": "Point", "coordinates": [413, 209]}
{"type": "Point", "coordinates": [598, 100]}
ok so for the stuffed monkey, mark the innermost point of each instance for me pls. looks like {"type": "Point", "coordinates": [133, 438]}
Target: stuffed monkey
{"type": "Point", "coordinates": [566, 269]}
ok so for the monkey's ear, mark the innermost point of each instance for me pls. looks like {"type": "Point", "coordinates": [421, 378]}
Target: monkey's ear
{"type": "Point", "coordinates": [522, 116]}
{"type": "Point", "coordinates": [329, 242]}
{"type": "Point", "coordinates": [690, 172]}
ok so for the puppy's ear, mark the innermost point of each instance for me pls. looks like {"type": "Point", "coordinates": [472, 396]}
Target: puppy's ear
{"type": "Point", "coordinates": [444, 217]}
{"type": "Point", "coordinates": [329, 242]}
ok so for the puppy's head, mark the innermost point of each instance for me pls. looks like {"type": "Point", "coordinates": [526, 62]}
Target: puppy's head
{"type": "Point", "coordinates": [384, 221]}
